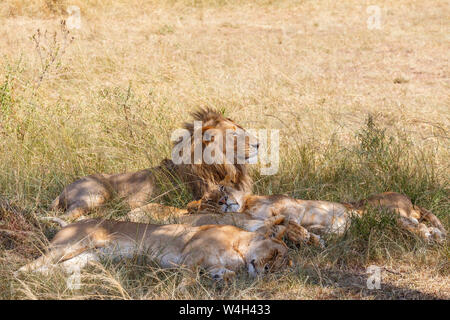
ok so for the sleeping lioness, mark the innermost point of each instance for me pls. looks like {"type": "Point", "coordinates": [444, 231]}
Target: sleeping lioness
{"type": "Point", "coordinates": [307, 219]}
{"type": "Point", "coordinates": [220, 250]}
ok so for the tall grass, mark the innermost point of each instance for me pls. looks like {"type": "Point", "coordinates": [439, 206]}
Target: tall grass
{"type": "Point", "coordinates": [108, 100]}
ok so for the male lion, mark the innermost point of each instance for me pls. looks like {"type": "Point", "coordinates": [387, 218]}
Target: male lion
{"type": "Point", "coordinates": [166, 214]}
{"type": "Point", "coordinates": [307, 218]}
{"type": "Point", "coordinates": [220, 250]}
{"type": "Point", "coordinates": [136, 188]}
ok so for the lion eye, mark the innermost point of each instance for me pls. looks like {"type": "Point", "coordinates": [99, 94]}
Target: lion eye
{"type": "Point", "coordinates": [266, 267]}
{"type": "Point", "coordinates": [221, 188]}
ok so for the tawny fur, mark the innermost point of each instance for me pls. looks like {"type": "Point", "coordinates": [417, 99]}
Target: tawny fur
{"type": "Point", "coordinates": [221, 250]}
{"type": "Point", "coordinates": [319, 217]}
{"type": "Point", "coordinates": [167, 214]}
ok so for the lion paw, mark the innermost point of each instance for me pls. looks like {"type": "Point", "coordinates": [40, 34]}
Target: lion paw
{"type": "Point", "coordinates": [297, 233]}
{"type": "Point", "coordinates": [273, 221]}
{"type": "Point", "coordinates": [436, 234]}
{"type": "Point", "coordinates": [277, 232]}
{"type": "Point", "coordinates": [202, 206]}
{"type": "Point", "coordinates": [193, 206]}
{"type": "Point", "coordinates": [219, 274]}
{"type": "Point", "coordinates": [316, 240]}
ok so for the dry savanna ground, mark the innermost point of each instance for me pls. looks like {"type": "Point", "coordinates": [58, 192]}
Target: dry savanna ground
{"type": "Point", "coordinates": [359, 111]}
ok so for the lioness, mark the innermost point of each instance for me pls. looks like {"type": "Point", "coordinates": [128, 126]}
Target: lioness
{"type": "Point", "coordinates": [137, 188]}
{"type": "Point", "coordinates": [306, 219]}
{"type": "Point", "coordinates": [221, 250]}
{"type": "Point", "coordinates": [167, 214]}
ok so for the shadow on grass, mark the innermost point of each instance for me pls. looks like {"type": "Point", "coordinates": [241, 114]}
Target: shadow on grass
{"type": "Point", "coordinates": [353, 285]}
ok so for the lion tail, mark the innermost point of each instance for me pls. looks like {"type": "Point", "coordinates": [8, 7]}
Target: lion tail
{"type": "Point", "coordinates": [59, 221]}
{"type": "Point", "coordinates": [431, 218]}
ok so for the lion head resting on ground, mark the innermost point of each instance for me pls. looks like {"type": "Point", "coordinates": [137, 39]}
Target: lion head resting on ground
{"type": "Point", "coordinates": [305, 218]}
{"type": "Point", "coordinates": [220, 250]}
{"type": "Point", "coordinates": [138, 188]}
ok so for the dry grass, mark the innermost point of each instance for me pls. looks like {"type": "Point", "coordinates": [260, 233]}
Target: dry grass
{"type": "Point", "coordinates": [109, 99]}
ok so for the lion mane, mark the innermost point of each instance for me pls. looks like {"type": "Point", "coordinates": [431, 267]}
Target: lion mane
{"type": "Point", "coordinates": [201, 178]}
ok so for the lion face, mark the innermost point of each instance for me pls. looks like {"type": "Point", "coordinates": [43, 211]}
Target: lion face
{"type": "Point", "coordinates": [225, 142]}
{"type": "Point", "coordinates": [229, 199]}
{"type": "Point", "coordinates": [221, 140]}
{"type": "Point", "coordinates": [266, 255]}
{"type": "Point", "coordinates": [211, 148]}
{"type": "Point", "coordinates": [220, 199]}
